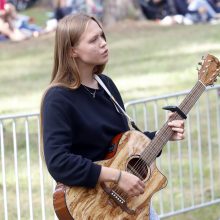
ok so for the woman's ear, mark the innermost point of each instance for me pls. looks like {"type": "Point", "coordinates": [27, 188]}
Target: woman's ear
{"type": "Point", "coordinates": [73, 52]}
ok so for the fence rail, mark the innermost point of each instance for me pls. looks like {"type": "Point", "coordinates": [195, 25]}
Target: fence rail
{"type": "Point", "coordinates": [192, 166]}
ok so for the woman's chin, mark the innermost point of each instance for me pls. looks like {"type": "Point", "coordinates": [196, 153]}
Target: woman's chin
{"type": "Point", "coordinates": [102, 62]}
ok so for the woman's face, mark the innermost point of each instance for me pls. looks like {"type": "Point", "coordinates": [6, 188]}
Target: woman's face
{"type": "Point", "coordinates": [92, 48]}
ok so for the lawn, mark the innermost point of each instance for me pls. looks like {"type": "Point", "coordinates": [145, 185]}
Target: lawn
{"type": "Point", "coordinates": [145, 60]}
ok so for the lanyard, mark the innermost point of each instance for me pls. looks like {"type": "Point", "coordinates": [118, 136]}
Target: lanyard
{"type": "Point", "coordinates": [115, 102]}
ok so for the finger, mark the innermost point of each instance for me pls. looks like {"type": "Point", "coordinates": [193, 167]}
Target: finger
{"type": "Point", "coordinates": [178, 130]}
{"type": "Point", "coordinates": [178, 136]}
{"type": "Point", "coordinates": [141, 189]}
{"type": "Point", "coordinates": [177, 123]}
{"type": "Point", "coordinates": [134, 192]}
{"type": "Point", "coordinates": [141, 183]}
{"type": "Point", "coordinates": [170, 114]}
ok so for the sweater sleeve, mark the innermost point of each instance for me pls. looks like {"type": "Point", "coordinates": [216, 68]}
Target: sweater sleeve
{"type": "Point", "coordinates": [63, 165]}
{"type": "Point", "coordinates": [149, 134]}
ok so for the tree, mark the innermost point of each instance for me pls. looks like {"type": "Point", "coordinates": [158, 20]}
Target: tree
{"type": "Point", "coordinates": [120, 9]}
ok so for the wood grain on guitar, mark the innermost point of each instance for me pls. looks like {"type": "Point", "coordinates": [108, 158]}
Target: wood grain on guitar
{"type": "Point", "coordinates": [133, 152]}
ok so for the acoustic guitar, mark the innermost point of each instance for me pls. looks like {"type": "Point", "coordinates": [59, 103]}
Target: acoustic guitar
{"type": "Point", "coordinates": [135, 153]}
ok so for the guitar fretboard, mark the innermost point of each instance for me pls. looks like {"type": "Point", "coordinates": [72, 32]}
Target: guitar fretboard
{"type": "Point", "coordinates": [165, 133]}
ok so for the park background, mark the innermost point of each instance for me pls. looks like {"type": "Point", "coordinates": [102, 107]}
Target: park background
{"type": "Point", "coordinates": [146, 60]}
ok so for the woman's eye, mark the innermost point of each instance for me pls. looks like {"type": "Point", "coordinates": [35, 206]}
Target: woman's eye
{"type": "Point", "coordinates": [94, 39]}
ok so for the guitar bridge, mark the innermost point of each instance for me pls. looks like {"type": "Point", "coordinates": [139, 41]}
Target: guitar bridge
{"type": "Point", "coordinates": [117, 199]}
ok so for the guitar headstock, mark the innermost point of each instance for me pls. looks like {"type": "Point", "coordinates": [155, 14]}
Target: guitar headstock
{"type": "Point", "coordinates": [210, 69]}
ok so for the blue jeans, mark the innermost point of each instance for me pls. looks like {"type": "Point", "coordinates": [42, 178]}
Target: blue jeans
{"type": "Point", "coordinates": [153, 214]}
{"type": "Point", "coordinates": [194, 14]}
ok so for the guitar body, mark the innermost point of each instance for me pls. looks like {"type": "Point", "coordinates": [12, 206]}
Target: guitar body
{"type": "Point", "coordinates": [80, 203]}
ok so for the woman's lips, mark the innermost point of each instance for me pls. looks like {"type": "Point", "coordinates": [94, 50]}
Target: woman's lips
{"type": "Point", "coordinates": [105, 52]}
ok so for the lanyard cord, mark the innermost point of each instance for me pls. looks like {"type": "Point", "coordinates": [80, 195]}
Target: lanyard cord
{"type": "Point", "coordinates": [115, 102]}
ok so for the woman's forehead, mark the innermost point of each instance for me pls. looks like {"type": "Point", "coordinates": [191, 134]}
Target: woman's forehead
{"type": "Point", "coordinates": [92, 29]}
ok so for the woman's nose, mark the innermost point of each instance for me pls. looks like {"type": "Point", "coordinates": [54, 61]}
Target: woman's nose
{"type": "Point", "coordinates": [103, 42]}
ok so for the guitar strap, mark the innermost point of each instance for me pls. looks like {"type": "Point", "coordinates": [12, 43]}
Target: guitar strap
{"type": "Point", "coordinates": [130, 120]}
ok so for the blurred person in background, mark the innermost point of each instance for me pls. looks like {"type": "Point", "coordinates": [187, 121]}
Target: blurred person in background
{"type": "Point", "coordinates": [159, 9]}
{"type": "Point", "coordinates": [66, 7]}
{"type": "Point", "coordinates": [215, 5]}
{"type": "Point", "coordinates": [180, 6]}
{"type": "Point", "coordinates": [154, 9]}
{"type": "Point", "coordinates": [201, 11]}
{"type": "Point", "coordinates": [7, 17]}
{"type": "Point", "coordinates": [165, 12]}
{"type": "Point", "coordinates": [63, 8]}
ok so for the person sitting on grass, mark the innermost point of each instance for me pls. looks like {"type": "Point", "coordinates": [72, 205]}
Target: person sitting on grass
{"type": "Point", "coordinates": [201, 11]}
{"type": "Point", "coordinates": [7, 28]}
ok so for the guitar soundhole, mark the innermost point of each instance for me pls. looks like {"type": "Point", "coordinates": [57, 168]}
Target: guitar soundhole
{"type": "Point", "coordinates": [138, 167]}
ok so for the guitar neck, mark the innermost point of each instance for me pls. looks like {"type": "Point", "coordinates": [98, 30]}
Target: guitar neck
{"type": "Point", "coordinates": [150, 153]}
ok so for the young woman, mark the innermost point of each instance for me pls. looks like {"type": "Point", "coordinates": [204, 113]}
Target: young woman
{"type": "Point", "coordinates": [79, 119]}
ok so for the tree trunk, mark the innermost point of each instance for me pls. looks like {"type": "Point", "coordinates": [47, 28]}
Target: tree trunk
{"type": "Point", "coordinates": [120, 9]}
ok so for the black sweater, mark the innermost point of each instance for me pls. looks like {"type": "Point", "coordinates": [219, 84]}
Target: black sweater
{"type": "Point", "coordinates": [77, 129]}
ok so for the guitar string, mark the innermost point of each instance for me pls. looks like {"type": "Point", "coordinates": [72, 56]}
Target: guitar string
{"type": "Point", "coordinates": [189, 104]}
{"type": "Point", "coordinates": [149, 152]}
{"type": "Point", "coordinates": [165, 133]}
{"type": "Point", "coordinates": [139, 164]}
{"type": "Point", "coordinates": [138, 167]}
{"type": "Point", "coordinates": [184, 104]}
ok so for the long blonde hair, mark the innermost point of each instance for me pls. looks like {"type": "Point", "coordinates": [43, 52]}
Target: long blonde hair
{"type": "Point", "coordinates": [65, 72]}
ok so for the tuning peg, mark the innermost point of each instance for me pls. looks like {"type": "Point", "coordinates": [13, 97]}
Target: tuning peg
{"type": "Point", "coordinates": [197, 68]}
{"type": "Point", "coordinates": [200, 63]}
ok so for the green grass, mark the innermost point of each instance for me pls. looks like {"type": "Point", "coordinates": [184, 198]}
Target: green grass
{"type": "Point", "coordinates": [145, 61]}
{"type": "Point", "coordinates": [38, 14]}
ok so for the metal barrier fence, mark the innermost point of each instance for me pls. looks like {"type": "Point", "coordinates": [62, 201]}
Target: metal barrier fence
{"type": "Point", "coordinates": [192, 166]}
{"type": "Point", "coordinates": [26, 186]}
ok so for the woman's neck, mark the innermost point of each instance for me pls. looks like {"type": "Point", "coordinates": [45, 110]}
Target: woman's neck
{"type": "Point", "coordinates": [87, 78]}
{"type": "Point", "coordinates": [86, 74]}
